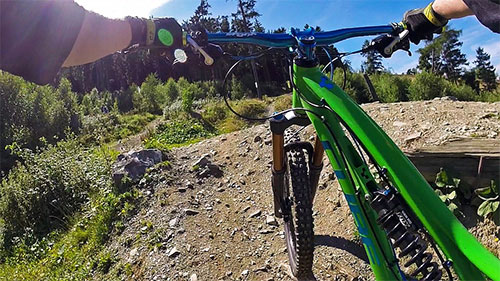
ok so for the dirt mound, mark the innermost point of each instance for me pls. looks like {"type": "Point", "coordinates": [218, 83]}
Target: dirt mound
{"type": "Point", "coordinates": [197, 226]}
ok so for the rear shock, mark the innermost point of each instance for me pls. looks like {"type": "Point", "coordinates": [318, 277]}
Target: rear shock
{"type": "Point", "coordinates": [404, 235]}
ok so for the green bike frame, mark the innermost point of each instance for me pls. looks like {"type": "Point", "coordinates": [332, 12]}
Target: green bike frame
{"type": "Point", "coordinates": [470, 260]}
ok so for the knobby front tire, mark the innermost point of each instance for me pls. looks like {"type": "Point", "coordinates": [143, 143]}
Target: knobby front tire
{"type": "Point", "coordinates": [299, 233]}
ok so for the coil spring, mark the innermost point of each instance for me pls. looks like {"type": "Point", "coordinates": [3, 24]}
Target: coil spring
{"type": "Point", "coordinates": [404, 235]}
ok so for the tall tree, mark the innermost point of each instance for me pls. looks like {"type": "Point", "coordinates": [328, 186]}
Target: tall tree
{"type": "Point", "coordinates": [225, 26]}
{"type": "Point", "coordinates": [443, 56]}
{"type": "Point", "coordinates": [485, 72]}
{"type": "Point", "coordinates": [245, 16]}
{"type": "Point", "coordinates": [246, 20]}
{"type": "Point", "coordinates": [373, 62]}
{"type": "Point", "coordinates": [200, 13]}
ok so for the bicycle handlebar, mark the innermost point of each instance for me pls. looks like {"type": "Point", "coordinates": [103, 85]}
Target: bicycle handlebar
{"type": "Point", "coordinates": [393, 34]}
{"type": "Point", "coordinates": [282, 40]}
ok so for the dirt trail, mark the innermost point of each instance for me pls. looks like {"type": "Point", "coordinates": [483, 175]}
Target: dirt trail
{"type": "Point", "coordinates": [194, 228]}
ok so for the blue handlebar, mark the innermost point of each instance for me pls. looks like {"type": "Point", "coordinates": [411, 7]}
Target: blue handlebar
{"type": "Point", "coordinates": [282, 40]}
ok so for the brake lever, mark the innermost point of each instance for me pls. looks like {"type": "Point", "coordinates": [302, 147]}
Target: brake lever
{"type": "Point", "coordinates": [386, 45]}
{"type": "Point", "coordinates": [208, 59]}
{"type": "Point", "coordinates": [389, 49]}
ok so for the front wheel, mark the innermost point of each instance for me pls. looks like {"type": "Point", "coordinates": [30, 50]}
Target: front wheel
{"type": "Point", "coordinates": [298, 219]}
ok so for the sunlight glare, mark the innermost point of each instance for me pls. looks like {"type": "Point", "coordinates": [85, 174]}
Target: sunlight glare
{"type": "Point", "coordinates": [122, 8]}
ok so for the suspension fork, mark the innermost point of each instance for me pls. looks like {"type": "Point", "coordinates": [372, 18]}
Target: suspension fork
{"type": "Point", "coordinates": [278, 126]}
{"type": "Point", "coordinates": [278, 172]}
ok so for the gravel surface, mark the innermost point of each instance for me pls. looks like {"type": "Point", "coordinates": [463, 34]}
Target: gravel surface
{"type": "Point", "coordinates": [196, 226]}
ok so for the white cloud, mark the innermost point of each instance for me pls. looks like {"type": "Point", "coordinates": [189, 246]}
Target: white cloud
{"type": "Point", "coordinates": [122, 8]}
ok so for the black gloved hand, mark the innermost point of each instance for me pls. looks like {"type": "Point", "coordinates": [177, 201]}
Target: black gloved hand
{"type": "Point", "coordinates": [423, 22]}
{"type": "Point", "coordinates": [156, 33]}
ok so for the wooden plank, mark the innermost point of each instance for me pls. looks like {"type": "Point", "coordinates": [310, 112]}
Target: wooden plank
{"type": "Point", "coordinates": [461, 158]}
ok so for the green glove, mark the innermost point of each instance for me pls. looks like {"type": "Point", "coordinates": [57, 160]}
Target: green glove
{"type": "Point", "coordinates": [156, 33]}
{"type": "Point", "coordinates": [423, 22]}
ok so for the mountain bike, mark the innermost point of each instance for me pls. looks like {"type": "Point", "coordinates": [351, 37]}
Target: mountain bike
{"type": "Point", "coordinates": [396, 212]}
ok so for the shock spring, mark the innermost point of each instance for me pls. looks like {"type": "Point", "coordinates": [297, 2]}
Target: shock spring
{"type": "Point", "coordinates": [404, 235]}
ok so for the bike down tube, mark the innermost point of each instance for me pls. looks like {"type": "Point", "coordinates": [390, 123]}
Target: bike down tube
{"type": "Point", "coordinates": [469, 257]}
{"type": "Point", "coordinates": [379, 251]}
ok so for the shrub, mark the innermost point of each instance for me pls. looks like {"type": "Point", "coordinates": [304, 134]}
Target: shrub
{"type": "Point", "coordinates": [170, 90]}
{"type": "Point", "coordinates": [250, 107]}
{"type": "Point", "coordinates": [187, 95]}
{"type": "Point", "coordinates": [492, 96]}
{"type": "Point", "coordinates": [211, 89]}
{"type": "Point", "coordinates": [282, 102]}
{"type": "Point", "coordinates": [150, 99]}
{"type": "Point", "coordinates": [238, 91]}
{"type": "Point", "coordinates": [355, 85]}
{"type": "Point", "coordinates": [426, 86]}
{"type": "Point", "coordinates": [171, 111]}
{"type": "Point", "coordinates": [461, 92]}
{"type": "Point", "coordinates": [390, 87]}
{"type": "Point", "coordinates": [215, 112]}
{"type": "Point", "coordinates": [42, 193]}
{"type": "Point", "coordinates": [180, 130]}
{"type": "Point", "coordinates": [30, 112]}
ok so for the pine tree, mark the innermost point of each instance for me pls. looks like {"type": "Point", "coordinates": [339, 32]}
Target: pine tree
{"type": "Point", "coordinates": [453, 58]}
{"type": "Point", "coordinates": [200, 13]}
{"type": "Point", "coordinates": [373, 62]}
{"type": "Point", "coordinates": [245, 16]}
{"type": "Point", "coordinates": [224, 24]}
{"type": "Point", "coordinates": [246, 20]}
{"type": "Point", "coordinates": [485, 72]}
{"type": "Point", "coordinates": [443, 56]}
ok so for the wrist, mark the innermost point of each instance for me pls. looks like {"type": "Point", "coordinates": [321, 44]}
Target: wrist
{"type": "Point", "coordinates": [433, 16]}
{"type": "Point", "coordinates": [138, 29]}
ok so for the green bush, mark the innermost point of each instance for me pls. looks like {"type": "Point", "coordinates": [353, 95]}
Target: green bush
{"type": "Point", "coordinates": [492, 96]}
{"type": "Point", "coordinates": [426, 86]}
{"type": "Point", "coordinates": [282, 102]}
{"type": "Point", "coordinates": [390, 87]}
{"type": "Point", "coordinates": [355, 85]}
{"type": "Point", "coordinates": [461, 91]}
{"type": "Point", "coordinates": [238, 90]}
{"type": "Point", "coordinates": [170, 90]}
{"type": "Point", "coordinates": [172, 110]}
{"type": "Point", "coordinates": [178, 131]}
{"type": "Point", "coordinates": [250, 107]}
{"type": "Point", "coordinates": [187, 95]}
{"type": "Point", "coordinates": [211, 89]}
{"type": "Point", "coordinates": [30, 113]}
{"type": "Point", "coordinates": [48, 188]}
{"type": "Point", "coordinates": [215, 112]}
{"type": "Point", "coordinates": [148, 98]}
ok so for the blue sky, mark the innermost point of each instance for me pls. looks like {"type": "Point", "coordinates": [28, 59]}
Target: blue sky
{"type": "Point", "coordinates": [329, 14]}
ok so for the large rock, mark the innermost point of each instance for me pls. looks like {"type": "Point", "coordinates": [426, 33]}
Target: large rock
{"type": "Point", "coordinates": [134, 164]}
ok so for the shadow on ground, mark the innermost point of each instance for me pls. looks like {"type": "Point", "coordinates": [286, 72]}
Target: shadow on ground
{"type": "Point", "coordinates": [343, 244]}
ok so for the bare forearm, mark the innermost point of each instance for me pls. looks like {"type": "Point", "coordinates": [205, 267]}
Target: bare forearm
{"type": "Point", "coordinates": [451, 9]}
{"type": "Point", "coordinates": [98, 37]}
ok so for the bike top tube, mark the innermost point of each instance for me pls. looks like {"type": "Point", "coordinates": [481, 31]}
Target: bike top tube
{"type": "Point", "coordinates": [283, 40]}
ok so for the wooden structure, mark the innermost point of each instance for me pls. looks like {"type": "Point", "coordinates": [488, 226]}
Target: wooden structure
{"type": "Point", "coordinates": [475, 161]}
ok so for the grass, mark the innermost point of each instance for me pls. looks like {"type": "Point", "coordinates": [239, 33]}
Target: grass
{"type": "Point", "coordinates": [79, 252]}
{"type": "Point", "coordinates": [113, 127]}
{"type": "Point", "coordinates": [182, 129]}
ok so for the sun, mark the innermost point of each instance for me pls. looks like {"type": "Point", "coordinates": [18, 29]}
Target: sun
{"type": "Point", "coordinates": [122, 8]}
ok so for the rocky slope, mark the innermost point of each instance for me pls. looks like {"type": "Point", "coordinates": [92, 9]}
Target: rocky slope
{"type": "Point", "coordinates": [209, 215]}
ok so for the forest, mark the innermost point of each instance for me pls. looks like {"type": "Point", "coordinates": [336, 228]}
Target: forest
{"type": "Point", "coordinates": [56, 141]}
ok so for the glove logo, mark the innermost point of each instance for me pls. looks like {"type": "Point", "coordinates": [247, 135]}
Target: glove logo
{"type": "Point", "coordinates": [165, 37]}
